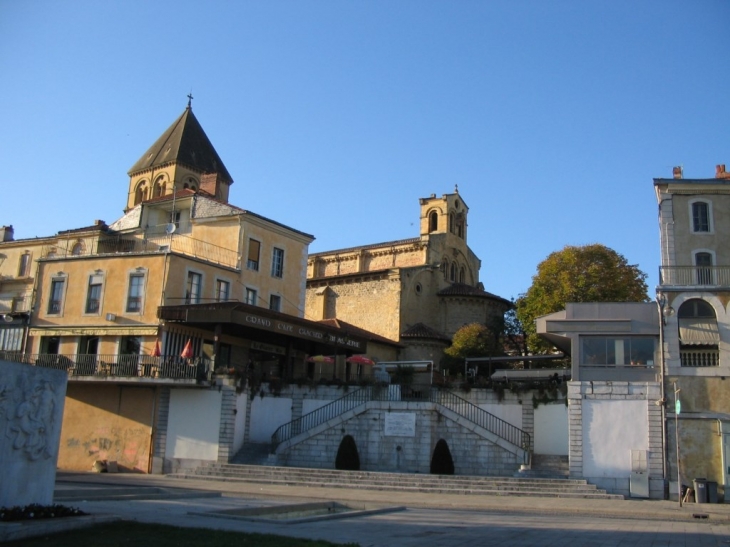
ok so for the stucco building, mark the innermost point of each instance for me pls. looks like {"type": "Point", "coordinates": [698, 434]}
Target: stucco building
{"type": "Point", "coordinates": [416, 291]}
{"type": "Point", "coordinates": [694, 288]}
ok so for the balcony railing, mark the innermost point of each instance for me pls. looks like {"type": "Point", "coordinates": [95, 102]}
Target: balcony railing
{"type": "Point", "coordinates": [154, 243]}
{"type": "Point", "coordinates": [118, 366]}
{"type": "Point", "coordinates": [699, 357]}
{"type": "Point", "coordinates": [694, 276]}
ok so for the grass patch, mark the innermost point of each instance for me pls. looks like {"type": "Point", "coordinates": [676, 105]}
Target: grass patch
{"type": "Point", "coordinates": [129, 533]}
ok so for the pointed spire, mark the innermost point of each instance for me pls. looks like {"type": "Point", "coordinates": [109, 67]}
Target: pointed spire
{"type": "Point", "coordinates": [184, 143]}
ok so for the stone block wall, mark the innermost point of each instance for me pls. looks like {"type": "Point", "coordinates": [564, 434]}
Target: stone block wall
{"type": "Point", "coordinates": [471, 453]}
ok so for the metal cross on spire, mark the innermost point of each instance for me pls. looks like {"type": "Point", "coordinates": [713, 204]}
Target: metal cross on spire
{"type": "Point", "coordinates": [190, 99]}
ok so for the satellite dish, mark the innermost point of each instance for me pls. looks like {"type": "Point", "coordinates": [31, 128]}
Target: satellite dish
{"type": "Point", "coordinates": [8, 318]}
{"type": "Point", "coordinates": [170, 228]}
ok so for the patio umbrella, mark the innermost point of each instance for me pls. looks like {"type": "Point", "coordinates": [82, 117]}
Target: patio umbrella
{"type": "Point", "coordinates": [187, 351]}
{"type": "Point", "coordinates": [360, 360]}
{"type": "Point", "coordinates": [321, 359]}
{"type": "Point", "coordinates": [156, 352]}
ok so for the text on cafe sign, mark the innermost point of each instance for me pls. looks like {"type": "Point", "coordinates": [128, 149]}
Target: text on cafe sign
{"type": "Point", "coordinates": [283, 327]}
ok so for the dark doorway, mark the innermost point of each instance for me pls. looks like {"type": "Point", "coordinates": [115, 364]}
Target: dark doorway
{"type": "Point", "coordinates": [347, 456]}
{"type": "Point", "coordinates": [441, 462]}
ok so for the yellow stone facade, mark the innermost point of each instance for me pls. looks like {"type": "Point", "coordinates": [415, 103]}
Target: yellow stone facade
{"type": "Point", "coordinates": [395, 287]}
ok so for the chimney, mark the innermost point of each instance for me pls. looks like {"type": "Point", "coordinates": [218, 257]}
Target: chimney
{"type": "Point", "coordinates": [6, 233]}
{"type": "Point", "coordinates": [210, 183]}
{"type": "Point", "coordinates": [677, 172]}
{"type": "Point", "coordinates": [720, 172]}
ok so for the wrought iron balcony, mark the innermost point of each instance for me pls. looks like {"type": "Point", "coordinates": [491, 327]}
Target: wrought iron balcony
{"type": "Point", "coordinates": [154, 243]}
{"type": "Point", "coordinates": [117, 366]}
{"type": "Point", "coordinates": [694, 276]}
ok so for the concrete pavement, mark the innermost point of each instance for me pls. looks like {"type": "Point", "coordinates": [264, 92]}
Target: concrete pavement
{"type": "Point", "coordinates": [443, 520]}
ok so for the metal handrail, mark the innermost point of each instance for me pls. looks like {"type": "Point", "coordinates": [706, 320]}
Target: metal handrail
{"type": "Point", "coordinates": [694, 276]}
{"type": "Point", "coordinates": [469, 411]}
{"type": "Point", "coordinates": [486, 420]}
{"type": "Point", "coordinates": [120, 366]}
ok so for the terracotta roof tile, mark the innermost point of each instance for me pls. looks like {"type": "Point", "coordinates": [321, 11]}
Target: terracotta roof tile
{"type": "Point", "coordinates": [420, 330]}
{"type": "Point", "coordinates": [462, 289]}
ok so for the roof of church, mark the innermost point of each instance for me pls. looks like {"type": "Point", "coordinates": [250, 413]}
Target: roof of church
{"type": "Point", "coordinates": [408, 241]}
{"type": "Point", "coordinates": [462, 289]}
{"type": "Point", "coordinates": [186, 143]}
{"type": "Point", "coordinates": [420, 330]}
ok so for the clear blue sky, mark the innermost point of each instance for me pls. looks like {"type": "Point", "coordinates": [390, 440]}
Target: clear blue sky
{"type": "Point", "coordinates": [334, 117]}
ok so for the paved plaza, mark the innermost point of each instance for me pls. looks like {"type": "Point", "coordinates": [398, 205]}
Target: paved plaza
{"type": "Point", "coordinates": [428, 520]}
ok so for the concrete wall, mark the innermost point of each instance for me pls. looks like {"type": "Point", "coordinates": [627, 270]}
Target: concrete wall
{"type": "Point", "coordinates": [107, 422]}
{"type": "Point", "coordinates": [607, 421]}
{"type": "Point", "coordinates": [551, 429]}
{"type": "Point", "coordinates": [193, 428]}
{"type": "Point", "coordinates": [31, 409]}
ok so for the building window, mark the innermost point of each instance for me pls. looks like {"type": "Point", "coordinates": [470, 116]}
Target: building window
{"type": "Point", "coordinates": [462, 275]}
{"type": "Point", "coordinates": [452, 274]}
{"type": "Point", "coordinates": [135, 293]}
{"type": "Point", "coordinates": [433, 221]}
{"type": "Point", "coordinates": [93, 294]}
{"type": "Point", "coordinates": [192, 293]}
{"type": "Point", "coordinates": [175, 218]}
{"type": "Point", "coordinates": [275, 302]}
{"type": "Point", "coordinates": [445, 269]}
{"type": "Point", "coordinates": [277, 263]}
{"type": "Point", "coordinates": [251, 296]}
{"type": "Point", "coordinates": [56, 300]}
{"type": "Point", "coordinates": [24, 265]}
{"type": "Point", "coordinates": [700, 216]}
{"type": "Point", "coordinates": [254, 248]}
{"type": "Point", "coordinates": [78, 248]}
{"type": "Point", "coordinates": [140, 193]}
{"type": "Point", "coordinates": [699, 336]}
{"type": "Point", "coordinates": [222, 290]}
{"type": "Point", "coordinates": [703, 262]}
{"type": "Point", "coordinates": [612, 350]}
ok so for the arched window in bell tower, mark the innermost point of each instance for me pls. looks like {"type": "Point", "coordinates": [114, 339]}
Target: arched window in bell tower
{"type": "Point", "coordinates": [140, 194]}
{"type": "Point", "coordinates": [451, 222]}
{"type": "Point", "coordinates": [159, 187]}
{"type": "Point", "coordinates": [433, 221]}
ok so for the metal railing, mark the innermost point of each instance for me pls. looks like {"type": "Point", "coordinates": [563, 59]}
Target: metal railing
{"type": "Point", "coordinates": [694, 276]}
{"type": "Point", "coordinates": [505, 430]}
{"type": "Point", "coordinates": [153, 243]}
{"type": "Point", "coordinates": [119, 366]}
{"type": "Point", "coordinates": [394, 392]}
{"type": "Point", "coordinates": [699, 357]}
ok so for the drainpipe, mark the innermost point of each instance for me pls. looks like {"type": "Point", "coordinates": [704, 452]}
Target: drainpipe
{"type": "Point", "coordinates": [661, 301]}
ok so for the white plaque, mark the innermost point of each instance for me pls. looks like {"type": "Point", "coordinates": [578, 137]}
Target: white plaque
{"type": "Point", "coordinates": [400, 424]}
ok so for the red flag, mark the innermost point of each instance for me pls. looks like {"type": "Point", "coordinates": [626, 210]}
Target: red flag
{"type": "Point", "coordinates": [187, 351]}
{"type": "Point", "coordinates": [156, 352]}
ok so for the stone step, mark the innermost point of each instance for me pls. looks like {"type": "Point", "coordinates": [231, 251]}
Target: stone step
{"type": "Point", "coordinates": [398, 482]}
{"type": "Point", "coordinates": [292, 472]}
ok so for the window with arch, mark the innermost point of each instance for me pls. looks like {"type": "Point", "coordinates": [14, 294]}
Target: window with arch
{"type": "Point", "coordinates": [140, 194]}
{"type": "Point", "coordinates": [78, 248]}
{"type": "Point", "coordinates": [699, 336]}
{"type": "Point", "coordinates": [704, 263]}
{"type": "Point", "coordinates": [701, 213]}
{"type": "Point", "coordinates": [452, 272]}
{"type": "Point", "coordinates": [191, 184]}
{"type": "Point", "coordinates": [159, 187]}
{"type": "Point", "coordinates": [462, 275]}
{"type": "Point", "coordinates": [24, 265]}
{"type": "Point", "coordinates": [445, 268]}
{"type": "Point", "coordinates": [433, 221]}
{"type": "Point", "coordinates": [451, 222]}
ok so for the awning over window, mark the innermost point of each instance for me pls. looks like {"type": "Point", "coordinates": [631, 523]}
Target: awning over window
{"type": "Point", "coordinates": [696, 331]}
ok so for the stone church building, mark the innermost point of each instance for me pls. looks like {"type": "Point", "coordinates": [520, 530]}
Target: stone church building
{"type": "Point", "coordinates": [416, 291]}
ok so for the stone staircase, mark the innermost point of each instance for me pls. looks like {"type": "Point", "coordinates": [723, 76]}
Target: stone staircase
{"type": "Point", "coordinates": [253, 454]}
{"type": "Point", "coordinates": [546, 467]}
{"type": "Point", "coordinates": [399, 482]}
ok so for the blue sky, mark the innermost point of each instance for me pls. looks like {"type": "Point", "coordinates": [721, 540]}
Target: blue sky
{"type": "Point", "coordinates": [334, 117]}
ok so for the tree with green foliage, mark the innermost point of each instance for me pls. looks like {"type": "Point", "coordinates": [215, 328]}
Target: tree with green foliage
{"type": "Point", "coordinates": [588, 273]}
{"type": "Point", "coordinates": [474, 340]}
